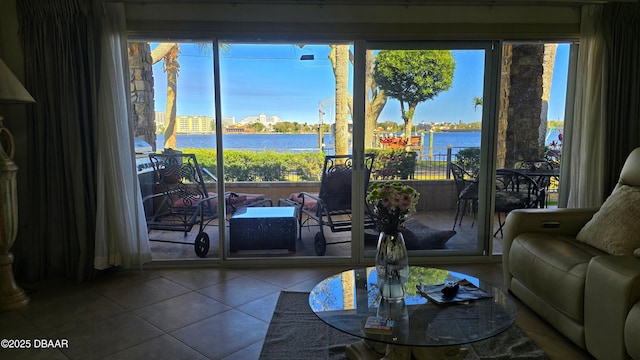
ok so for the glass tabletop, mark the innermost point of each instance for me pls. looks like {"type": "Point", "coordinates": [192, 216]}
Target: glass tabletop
{"type": "Point", "coordinates": [346, 300]}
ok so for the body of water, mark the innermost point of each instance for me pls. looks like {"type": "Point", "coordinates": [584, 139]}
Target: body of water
{"type": "Point", "coordinates": [309, 142]}
{"type": "Point", "coordinates": [301, 142]}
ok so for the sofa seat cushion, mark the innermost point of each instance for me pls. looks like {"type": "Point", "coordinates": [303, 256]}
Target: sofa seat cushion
{"type": "Point", "coordinates": [554, 267]}
{"type": "Point", "coordinates": [632, 332]}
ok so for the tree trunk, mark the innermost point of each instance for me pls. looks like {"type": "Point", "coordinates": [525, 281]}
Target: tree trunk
{"type": "Point", "coordinates": [339, 56]}
{"type": "Point", "coordinates": [171, 67]}
{"type": "Point", "coordinates": [408, 121]}
{"type": "Point", "coordinates": [376, 102]}
{"type": "Point", "coordinates": [348, 294]}
{"type": "Point", "coordinates": [525, 112]}
{"type": "Point", "coordinates": [169, 52]}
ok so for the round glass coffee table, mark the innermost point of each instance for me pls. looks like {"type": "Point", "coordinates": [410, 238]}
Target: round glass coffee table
{"type": "Point", "coordinates": [421, 326]}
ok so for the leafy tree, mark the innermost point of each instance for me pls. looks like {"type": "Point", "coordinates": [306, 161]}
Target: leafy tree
{"type": "Point", "coordinates": [257, 126]}
{"type": "Point", "coordinates": [413, 76]}
{"type": "Point", "coordinates": [389, 126]}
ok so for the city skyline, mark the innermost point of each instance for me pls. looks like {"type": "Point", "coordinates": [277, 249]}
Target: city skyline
{"type": "Point", "coordinates": [271, 79]}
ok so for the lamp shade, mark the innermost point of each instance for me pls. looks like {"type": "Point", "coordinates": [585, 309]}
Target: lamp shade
{"type": "Point", "coordinates": [11, 90]}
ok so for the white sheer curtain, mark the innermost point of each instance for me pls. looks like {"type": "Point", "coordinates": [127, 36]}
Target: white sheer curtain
{"type": "Point", "coordinates": [587, 136]}
{"type": "Point", "coordinates": [121, 233]}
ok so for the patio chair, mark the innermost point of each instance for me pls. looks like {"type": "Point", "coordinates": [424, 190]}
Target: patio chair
{"type": "Point", "coordinates": [331, 206]}
{"type": "Point", "coordinates": [531, 167]}
{"type": "Point", "coordinates": [181, 199]}
{"type": "Point", "coordinates": [514, 190]}
{"type": "Point", "coordinates": [467, 187]}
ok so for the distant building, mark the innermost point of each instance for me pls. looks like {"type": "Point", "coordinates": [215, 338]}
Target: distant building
{"type": "Point", "coordinates": [226, 121]}
{"type": "Point", "coordinates": [160, 118]}
{"type": "Point", "coordinates": [267, 121]}
{"type": "Point", "coordinates": [423, 126]}
{"type": "Point", "coordinates": [195, 124]}
{"type": "Point", "coordinates": [239, 130]}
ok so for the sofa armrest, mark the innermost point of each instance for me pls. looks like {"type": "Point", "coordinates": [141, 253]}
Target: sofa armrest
{"type": "Point", "coordinates": [562, 221]}
{"type": "Point", "coordinates": [612, 288]}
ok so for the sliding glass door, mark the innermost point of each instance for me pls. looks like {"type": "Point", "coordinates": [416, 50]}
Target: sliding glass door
{"type": "Point", "coordinates": [285, 109]}
{"type": "Point", "coordinates": [426, 120]}
{"type": "Point", "coordinates": [262, 118]}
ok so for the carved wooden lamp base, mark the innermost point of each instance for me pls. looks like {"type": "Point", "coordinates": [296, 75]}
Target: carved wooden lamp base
{"type": "Point", "coordinates": [11, 295]}
{"type": "Point", "coordinates": [11, 92]}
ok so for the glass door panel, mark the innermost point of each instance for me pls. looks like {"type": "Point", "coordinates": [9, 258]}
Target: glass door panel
{"type": "Point", "coordinates": [173, 108]}
{"type": "Point", "coordinates": [284, 108]}
{"type": "Point", "coordinates": [424, 121]}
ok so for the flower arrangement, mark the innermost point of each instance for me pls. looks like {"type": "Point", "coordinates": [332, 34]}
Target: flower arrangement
{"type": "Point", "coordinates": [392, 203]}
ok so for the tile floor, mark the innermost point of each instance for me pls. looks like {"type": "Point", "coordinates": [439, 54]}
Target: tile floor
{"type": "Point", "coordinates": [188, 313]}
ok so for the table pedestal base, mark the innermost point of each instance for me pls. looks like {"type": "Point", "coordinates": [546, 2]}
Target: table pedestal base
{"type": "Point", "coordinates": [368, 350]}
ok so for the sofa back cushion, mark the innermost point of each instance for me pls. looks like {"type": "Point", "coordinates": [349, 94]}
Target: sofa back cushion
{"type": "Point", "coordinates": [630, 174]}
{"type": "Point", "coordinates": [615, 227]}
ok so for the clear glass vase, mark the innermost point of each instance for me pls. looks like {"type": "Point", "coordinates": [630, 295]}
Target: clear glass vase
{"type": "Point", "coordinates": [392, 266]}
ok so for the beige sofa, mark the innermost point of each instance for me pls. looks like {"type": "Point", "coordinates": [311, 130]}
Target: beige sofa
{"type": "Point", "coordinates": [579, 269]}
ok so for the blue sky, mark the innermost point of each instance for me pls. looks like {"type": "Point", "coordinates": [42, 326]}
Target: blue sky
{"type": "Point", "coordinates": [271, 79]}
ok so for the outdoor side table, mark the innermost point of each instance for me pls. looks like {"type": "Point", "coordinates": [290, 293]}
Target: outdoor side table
{"type": "Point", "coordinates": [263, 228]}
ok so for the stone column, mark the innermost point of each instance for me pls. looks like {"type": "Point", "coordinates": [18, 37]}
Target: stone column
{"type": "Point", "coordinates": [525, 107]}
{"type": "Point", "coordinates": [505, 80]}
{"type": "Point", "coordinates": [142, 97]}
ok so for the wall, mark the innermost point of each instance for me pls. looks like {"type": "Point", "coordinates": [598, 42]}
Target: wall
{"type": "Point", "coordinates": [435, 195]}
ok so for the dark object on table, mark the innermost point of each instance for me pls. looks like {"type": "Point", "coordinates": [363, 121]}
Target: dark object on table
{"type": "Point", "coordinates": [450, 288]}
{"type": "Point", "coordinates": [466, 292]}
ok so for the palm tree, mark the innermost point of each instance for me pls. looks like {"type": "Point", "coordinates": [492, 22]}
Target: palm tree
{"type": "Point", "coordinates": [169, 53]}
{"type": "Point", "coordinates": [339, 57]}
{"type": "Point", "coordinates": [477, 101]}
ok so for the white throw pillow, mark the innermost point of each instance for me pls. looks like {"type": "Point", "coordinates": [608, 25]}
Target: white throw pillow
{"type": "Point", "coordinates": [615, 227]}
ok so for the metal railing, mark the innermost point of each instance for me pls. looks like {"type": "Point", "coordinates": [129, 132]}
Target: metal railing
{"type": "Point", "coordinates": [433, 166]}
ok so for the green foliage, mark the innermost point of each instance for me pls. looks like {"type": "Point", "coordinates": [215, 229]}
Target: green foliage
{"type": "Point", "coordinates": [414, 76]}
{"type": "Point", "coordinates": [389, 126]}
{"type": "Point", "coordinates": [555, 123]}
{"type": "Point", "coordinates": [257, 127]}
{"type": "Point", "coordinates": [308, 166]}
{"type": "Point", "coordinates": [469, 159]}
{"type": "Point", "coordinates": [394, 164]}
{"type": "Point", "coordinates": [287, 127]}
{"type": "Point", "coordinates": [420, 275]}
{"type": "Point", "coordinates": [262, 166]}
